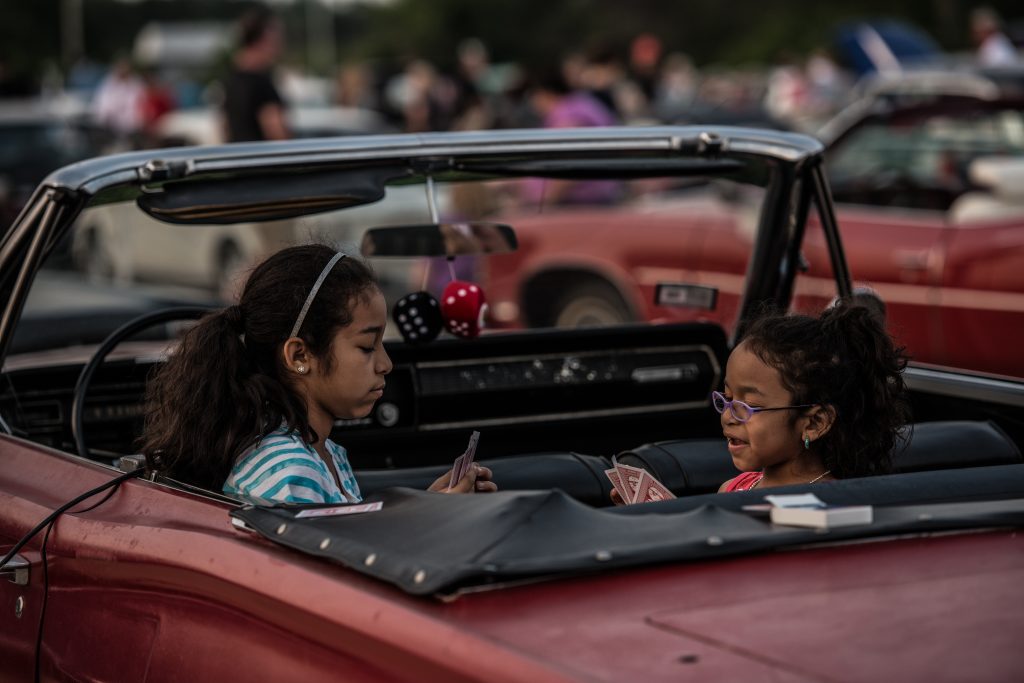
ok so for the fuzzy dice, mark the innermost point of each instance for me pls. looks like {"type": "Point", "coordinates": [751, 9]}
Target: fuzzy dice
{"type": "Point", "coordinates": [418, 317]}
{"type": "Point", "coordinates": [463, 306]}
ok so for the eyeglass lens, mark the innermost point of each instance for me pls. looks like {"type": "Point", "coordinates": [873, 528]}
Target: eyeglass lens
{"type": "Point", "coordinates": [740, 410]}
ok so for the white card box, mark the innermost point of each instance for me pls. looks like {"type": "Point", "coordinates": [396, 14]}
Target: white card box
{"type": "Point", "coordinates": [822, 517]}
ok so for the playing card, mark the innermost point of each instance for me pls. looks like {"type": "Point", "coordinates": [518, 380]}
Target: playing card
{"type": "Point", "coordinates": [464, 461]}
{"type": "Point", "coordinates": [456, 471]}
{"type": "Point", "coordinates": [651, 490]}
{"type": "Point", "coordinates": [630, 477]}
{"type": "Point", "coordinates": [616, 480]}
{"type": "Point", "coordinates": [341, 510]}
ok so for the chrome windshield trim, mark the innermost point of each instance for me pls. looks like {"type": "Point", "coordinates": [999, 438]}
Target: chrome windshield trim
{"type": "Point", "coordinates": [951, 383]}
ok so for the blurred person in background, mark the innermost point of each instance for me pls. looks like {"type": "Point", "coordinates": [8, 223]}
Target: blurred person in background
{"type": "Point", "coordinates": [994, 48]}
{"type": "Point", "coordinates": [472, 106]}
{"type": "Point", "coordinates": [156, 101]}
{"type": "Point", "coordinates": [788, 91]}
{"type": "Point", "coordinates": [827, 83]}
{"type": "Point", "coordinates": [603, 77]}
{"type": "Point", "coordinates": [418, 94]}
{"type": "Point", "coordinates": [253, 107]}
{"type": "Point", "coordinates": [559, 106]}
{"type": "Point", "coordinates": [355, 86]}
{"type": "Point", "coordinates": [117, 104]}
{"type": "Point", "coordinates": [644, 63]}
{"type": "Point", "coordinates": [676, 87]}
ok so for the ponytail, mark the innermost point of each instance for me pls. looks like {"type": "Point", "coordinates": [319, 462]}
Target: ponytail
{"type": "Point", "coordinates": [225, 388]}
{"type": "Point", "coordinates": [843, 359]}
{"type": "Point", "coordinates": [210, 398]}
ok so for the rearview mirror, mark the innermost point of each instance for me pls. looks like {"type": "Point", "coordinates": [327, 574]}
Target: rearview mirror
{"type": "Point", "coordinates": [440, 239]}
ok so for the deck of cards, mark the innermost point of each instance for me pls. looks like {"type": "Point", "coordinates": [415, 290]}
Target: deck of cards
{"type": "Point", "coordinates": [464, 461]}
{"type": "Point", "coordinates": [636, 485]}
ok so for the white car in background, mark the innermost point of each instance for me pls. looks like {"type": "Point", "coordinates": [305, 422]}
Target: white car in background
{"type": "Point", "coordinates": [117, 242]}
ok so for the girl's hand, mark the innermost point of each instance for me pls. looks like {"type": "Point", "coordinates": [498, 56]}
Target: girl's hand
{"type": "Point", "coordinates": [477, 479]}
{"type": "Point", "coordinates": [616, 498]}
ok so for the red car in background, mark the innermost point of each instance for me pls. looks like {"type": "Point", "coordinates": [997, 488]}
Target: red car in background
{"type": "Point", "coordinates": [929, 202]}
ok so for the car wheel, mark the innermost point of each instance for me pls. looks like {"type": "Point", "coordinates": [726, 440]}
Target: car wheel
{"type": "Point", "coordinates": [591, 304]}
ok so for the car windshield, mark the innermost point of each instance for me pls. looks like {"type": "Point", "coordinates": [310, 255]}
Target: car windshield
{"type": "Point", "coordinates": [579, 260]}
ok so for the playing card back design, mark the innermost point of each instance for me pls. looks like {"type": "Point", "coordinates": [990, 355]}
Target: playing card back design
{"type": "Point", "coordinates": [650, 490]}
{"type": "Point", "coordinates": [636, 485]}
{"type": "Point", "coordinates": [464, 461]}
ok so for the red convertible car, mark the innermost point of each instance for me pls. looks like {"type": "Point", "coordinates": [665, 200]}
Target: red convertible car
{"type": "Point", "coordinates": [928, 197]}
{"type": "Point", "coordinates": [112, 573]}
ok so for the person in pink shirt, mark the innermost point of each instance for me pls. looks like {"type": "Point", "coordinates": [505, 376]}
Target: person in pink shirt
{"type": "Point", "coordinates": [559, 106]}
{"type": "Point", "coordinates": [812, 399]}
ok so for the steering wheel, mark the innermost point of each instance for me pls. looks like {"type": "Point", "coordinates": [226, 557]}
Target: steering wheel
{"type": "Point", "coordinates": [127, 330]}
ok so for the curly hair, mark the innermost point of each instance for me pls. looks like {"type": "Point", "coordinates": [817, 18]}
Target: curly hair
{"type": "Point", "coordinates": [844, 359]}
{"type": "Point", "coordinates": [224, 388]}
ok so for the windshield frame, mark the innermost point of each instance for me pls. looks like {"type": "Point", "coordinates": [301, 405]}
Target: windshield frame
{"type": "Point", "coordinates": [63, 195]}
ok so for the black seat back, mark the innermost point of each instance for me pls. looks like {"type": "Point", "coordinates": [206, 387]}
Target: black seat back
{"type": "Point", "coordinates": [580, 476]}
{"type": "Point", "coordinates": [1002, 482]}
{"type": "Point", "coordinates": [956, 443]}
{"type": "Point", "coordinates": [695, 466]}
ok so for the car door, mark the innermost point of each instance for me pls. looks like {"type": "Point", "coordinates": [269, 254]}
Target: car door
{"type": "Point", "coordinates": [889, 183]}
{"type": "Point", "coordinates": [943, 243]}
{"type": "Point", "coordinates": [899, 254]}
{"type": "Point", "coordinates": [982, 298]}
{"type": "Point", "coordinates": [21, 602]}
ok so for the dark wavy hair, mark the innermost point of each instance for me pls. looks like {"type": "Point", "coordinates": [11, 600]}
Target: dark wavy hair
{"type": "Point", "coordinates": [224, 388]}
{"type": "Point", "coordinates": [844, 359]}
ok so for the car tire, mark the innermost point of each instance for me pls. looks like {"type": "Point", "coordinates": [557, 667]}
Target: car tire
{"type": "Point", "coordinates": [591, 304]}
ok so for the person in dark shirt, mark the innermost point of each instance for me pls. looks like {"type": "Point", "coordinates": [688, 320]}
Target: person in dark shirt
{"type": "Point", "coordinates": [253, 108]}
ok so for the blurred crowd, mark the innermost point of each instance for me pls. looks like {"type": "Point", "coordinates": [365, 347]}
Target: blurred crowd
{"type": "Point", "coordinates": [640, 83]}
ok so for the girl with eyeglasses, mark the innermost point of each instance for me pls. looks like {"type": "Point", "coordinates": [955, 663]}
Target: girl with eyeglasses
{"type": "Point", "coordinates": [812, 399]}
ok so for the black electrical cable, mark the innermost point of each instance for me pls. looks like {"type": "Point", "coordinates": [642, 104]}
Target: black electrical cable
{"type": "Point", "coordinates": [46, 571]}
{"type": "Point", "coordinates": [48, 523]}
{"type": "Point", "coordinates": [115, 482]}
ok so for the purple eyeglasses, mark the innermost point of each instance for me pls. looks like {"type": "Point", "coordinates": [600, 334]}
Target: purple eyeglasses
{"type": "Point", "coordinates": [740, 410]}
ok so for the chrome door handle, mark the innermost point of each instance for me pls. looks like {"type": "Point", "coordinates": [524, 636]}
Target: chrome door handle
{"type": "Point", "coordinates": [16, 570]}
{"type": "Point", "coordinates": [911, 260]}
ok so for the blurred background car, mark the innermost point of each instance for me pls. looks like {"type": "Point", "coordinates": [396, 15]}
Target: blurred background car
{"type": "Point", "coordinates": [36, 137]}
{"type": "Point", "coordinates": [117, 242]}
{"type": "Point", "coordinates": [929, 222]}
{"type": "Point", "coordinates": [928, 193]}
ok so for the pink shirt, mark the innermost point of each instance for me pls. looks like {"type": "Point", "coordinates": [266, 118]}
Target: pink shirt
{"type": "Point", "coordinates": [744, 482]}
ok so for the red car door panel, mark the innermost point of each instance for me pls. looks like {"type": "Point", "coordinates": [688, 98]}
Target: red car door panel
{"type": "Point", "coordinates": [983, 297]}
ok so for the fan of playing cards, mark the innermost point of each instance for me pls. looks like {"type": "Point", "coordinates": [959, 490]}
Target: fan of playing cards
{"type": "Point", "coordinates": [636, 485]}
{"type": "Point", "coordinates": [464, 461]}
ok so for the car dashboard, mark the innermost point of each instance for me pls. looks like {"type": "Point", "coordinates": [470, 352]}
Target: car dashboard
{"type": "Point", "coordinates": [597, 390]}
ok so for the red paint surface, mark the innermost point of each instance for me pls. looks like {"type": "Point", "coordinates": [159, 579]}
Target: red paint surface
{"type": "Point", "coordinates": [156, 585]}
{"type": "Point", "coordinates": [954, 293]}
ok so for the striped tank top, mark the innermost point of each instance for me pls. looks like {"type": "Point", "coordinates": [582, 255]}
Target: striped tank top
{"type": "Point", "coordinates": [283, 468]}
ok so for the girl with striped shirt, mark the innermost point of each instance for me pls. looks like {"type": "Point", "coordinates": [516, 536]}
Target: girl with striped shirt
{"type": "Point", "coordinates": [247, 401]}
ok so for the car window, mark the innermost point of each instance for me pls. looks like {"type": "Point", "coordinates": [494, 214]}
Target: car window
{"type": "Point", "coordinates": [921, 161]}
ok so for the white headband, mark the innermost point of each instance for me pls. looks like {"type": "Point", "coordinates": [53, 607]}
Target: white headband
{"type": "Point", "coordinates": [312, 293]}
